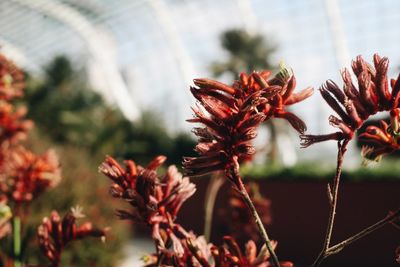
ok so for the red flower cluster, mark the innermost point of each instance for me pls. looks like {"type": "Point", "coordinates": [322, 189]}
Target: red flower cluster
{"type": "Point", "coordinates": [231, 115]}
{"type": "Point", "coordinates": [28, 175]}
{"type": "Point", "coordinates": [230, 254]}
{"type": "Point", "coordinates": [382, 140]}
{"type": "Point", "coordinates": [156, 200]}
{"type": "Point", "coordinates": [12, 122]}
{"type": "Point", "coordinates": [151, 196]}
{"type": "Point", "coordinates": [23, 174]}
{"type": "Point", "coordinates": [14, 126]}
{"type": "Point", "coordinates": [353, 105]}
{"type": "Point", "coordinates": [55, 233]}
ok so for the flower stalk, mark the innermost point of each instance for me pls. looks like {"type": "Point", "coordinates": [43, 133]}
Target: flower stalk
{"type": "Point", "coordinates": [235, 176]}
{"type": "Point", "coordinates": [333, 199]}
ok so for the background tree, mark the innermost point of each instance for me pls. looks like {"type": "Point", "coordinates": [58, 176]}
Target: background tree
{"type": "Point", "coordinates": [247, 52]}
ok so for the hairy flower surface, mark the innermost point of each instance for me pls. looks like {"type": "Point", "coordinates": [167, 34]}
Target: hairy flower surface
{"type": "Point", "coordinates": [55, 233]}
{"type": "Point", "coordinates": [232, 114]}
{"type": "Point", "coordinates": [355, 105]}
{"type": "Point", "coordinates": [27, 175]}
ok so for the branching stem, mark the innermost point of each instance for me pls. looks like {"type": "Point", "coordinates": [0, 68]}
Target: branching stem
{"type": "Point", "coordinates": [342, 147]}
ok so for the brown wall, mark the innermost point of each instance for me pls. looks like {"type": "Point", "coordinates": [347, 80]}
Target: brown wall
{"type": "Point", "coordinates": [300, 211]}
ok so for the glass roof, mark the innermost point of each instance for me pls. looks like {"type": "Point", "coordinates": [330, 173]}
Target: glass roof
{"type": "Point", "coordinates": [143, 54]}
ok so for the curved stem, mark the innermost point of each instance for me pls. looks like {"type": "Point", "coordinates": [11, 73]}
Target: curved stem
{"type": "Point", "coordinates": [333, 203]}
{"type": "Point", "coordinates": [211, 194]}
{"type": "Point", "coordinates": [237, 180]}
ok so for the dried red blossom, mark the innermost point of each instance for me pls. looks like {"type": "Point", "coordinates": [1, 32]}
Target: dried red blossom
{"type": "Point", "coordinates": [231, 115]}
{"type": "Point", "coordinates": [55, 233]}
{"type": "Point", "coordinates": [381, 140]}
{"type": "Point", "coordinates": [353, 105]}
{"type": "Point", "coordinates": [11, 79]}
{"type": "Point", "coordinates": [238, 217]}
{"type": "Point", "coordinates": [27, 175]}
{"type": "Point", "coordinates": [397, 253]}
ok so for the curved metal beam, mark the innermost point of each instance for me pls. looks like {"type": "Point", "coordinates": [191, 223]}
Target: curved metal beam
{"type": "Point", "coordinates": [17, 55]}
{"type": "Point", "coordinates": [103, 68]}
{"type": "Point", "coordinates": [179, 51]}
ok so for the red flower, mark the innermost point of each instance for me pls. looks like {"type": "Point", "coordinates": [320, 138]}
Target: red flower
{"type": "Point", "coordinates": [11, 80]}
{"type": "Point", "coordinates": [230, 254]}
{"type": "Point", "coordinates": [27, 175]}
{"type": "Point", "coordinates": [149, 194]}
{"type": "Point", "coordinates": [13, 125]}
{"type": "Point", "coordinates": [55, 233]}
{"type": "Point", "coordinates": [156, 201]}
{"type": "Point", "coordinates": [354, 106]}
{"type": "Point", "coordinates": [284, 83]}
{"type": "Point", "coordinates": [382, 140]}
{"type": "Point", "coordinates": [231, 115]}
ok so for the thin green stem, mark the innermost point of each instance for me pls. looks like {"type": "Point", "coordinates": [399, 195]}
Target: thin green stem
{"type": "Point", "coordinates": [17, 241]}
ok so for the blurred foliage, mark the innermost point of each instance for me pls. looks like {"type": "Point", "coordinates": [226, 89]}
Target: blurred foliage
{"type": "Point", "coordinates": [386, 170]}
{"type": "Point", "coordinates": [78, 175]}
{"type": "Point", "coordinates": [247, 52]}
{"type": "Point", "coordinates": [65, 109]}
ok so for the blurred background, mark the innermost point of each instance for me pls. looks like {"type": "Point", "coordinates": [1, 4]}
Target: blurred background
{"type": "Point", "coordinates": [113, 77]}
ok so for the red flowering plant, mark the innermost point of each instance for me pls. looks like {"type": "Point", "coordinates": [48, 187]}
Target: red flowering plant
{"type": "Point", "coordinates": [55, 233]}
{"type": "Point", "coordinates": [156, 200]}
{"type": "Point", "coordinates": [231, 116]}
{"type": "Point", "coordinates": [354, 105]}
{"type": "Point", "coordinates": [24, 176]}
